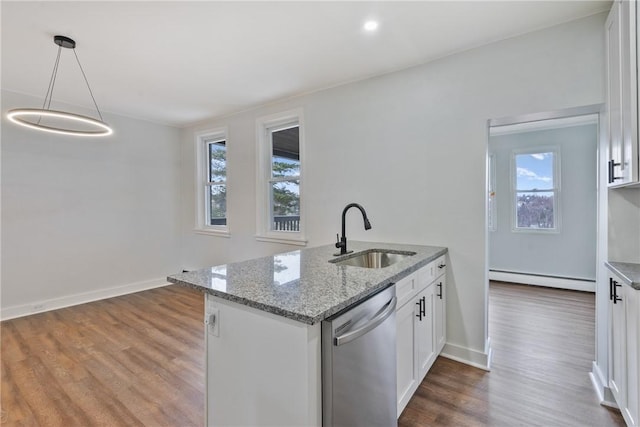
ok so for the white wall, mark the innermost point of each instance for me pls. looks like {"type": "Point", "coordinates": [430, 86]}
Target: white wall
{"type": "Point", "coordinates": [410, 146]}
{"type": "Point", "coordinates": [571, 252]}
{"type": "Point", "coordinates": [86, 218]}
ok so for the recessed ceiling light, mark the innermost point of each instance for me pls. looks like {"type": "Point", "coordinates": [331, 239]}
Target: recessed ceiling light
{"type": "Point", "coordinates": [371, 25]}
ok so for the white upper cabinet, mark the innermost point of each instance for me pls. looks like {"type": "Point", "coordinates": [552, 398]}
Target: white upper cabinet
{"type": "Point", "coordinates": [622, 94]}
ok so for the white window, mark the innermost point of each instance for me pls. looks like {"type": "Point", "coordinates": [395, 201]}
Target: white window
{"type": "Point", "coordinates": [280, 148]}
{"type": "Point", "coordinates": [211, 183]}
{"type": "Point", "coordinates": [536, 185]}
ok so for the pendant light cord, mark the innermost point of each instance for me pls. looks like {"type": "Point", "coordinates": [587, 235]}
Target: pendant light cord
{"type": "Point", "coordinates": [87, 82]}
{"type": "Point", "coordinates": [52, 82]}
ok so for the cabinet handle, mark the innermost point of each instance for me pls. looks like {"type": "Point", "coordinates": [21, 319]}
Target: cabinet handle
{"type": "Point", "coordinates": [610, 288]}
{"type": "Point", "coordinates": [443, 265]}
{"type": "Point", "coordinates": [440, 290]}
{"type": "Point", "coordinates": [421, 308]}
{"type": "Point", "coordinates": [616, 298]}
{"type": "Point", "coordinates": [612, 176]}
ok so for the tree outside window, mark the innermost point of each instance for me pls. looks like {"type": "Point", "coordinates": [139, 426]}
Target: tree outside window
{"type": "Point", "coordinates": [536, 190]}
{"type": "Point", "coordinates": [284, 182]}
{"type": "Point", "coordinates": [216, 187]}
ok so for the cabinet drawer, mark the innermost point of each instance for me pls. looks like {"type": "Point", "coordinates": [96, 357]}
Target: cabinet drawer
{"type": "Point", "coordinates": [406, 288]}
{"type": "Point", "coordinates": [426, 275]}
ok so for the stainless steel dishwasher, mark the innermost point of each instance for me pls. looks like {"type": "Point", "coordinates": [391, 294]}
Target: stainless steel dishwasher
{"type": "Point", "coordinates": [359, 364]}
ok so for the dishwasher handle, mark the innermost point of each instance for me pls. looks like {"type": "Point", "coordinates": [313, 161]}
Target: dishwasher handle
{"type": "Point", "coordinates": [380, 317]}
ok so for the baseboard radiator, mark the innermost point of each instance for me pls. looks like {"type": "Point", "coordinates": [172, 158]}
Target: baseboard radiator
{"type": "Point", "coordinates": [576, 284]}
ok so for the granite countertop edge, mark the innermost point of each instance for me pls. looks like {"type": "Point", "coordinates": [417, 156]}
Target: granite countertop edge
{"type": "Point", "coordinates": [394, 276]}
{"type": "Point", "coordinates": [627, 271]}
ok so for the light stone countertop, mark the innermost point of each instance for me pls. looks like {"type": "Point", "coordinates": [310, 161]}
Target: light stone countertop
{"type": "Point", "coordinates": [302, 285]}
{"type": "Point", "coordinates": [628, 272]}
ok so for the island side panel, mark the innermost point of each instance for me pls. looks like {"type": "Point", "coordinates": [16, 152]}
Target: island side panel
{"type": "Point", "coordinates": [262, 369]}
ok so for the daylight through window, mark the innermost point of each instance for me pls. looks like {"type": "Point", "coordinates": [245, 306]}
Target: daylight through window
{"type": "Point", "coordinates": [216, 185]}
{"type": "Point", "coordinates": [284, 181]}
{"type": "Point", "coordinates": [536, 191]}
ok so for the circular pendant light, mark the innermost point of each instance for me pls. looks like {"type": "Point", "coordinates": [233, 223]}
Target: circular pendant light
{"type": "Point", "coordinates": [33, 117]}
{"type": "Point", "coordinates": [21, 116]}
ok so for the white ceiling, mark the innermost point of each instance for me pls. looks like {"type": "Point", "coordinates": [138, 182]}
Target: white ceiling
{"type": "Point", "coordinates": [182, 62]}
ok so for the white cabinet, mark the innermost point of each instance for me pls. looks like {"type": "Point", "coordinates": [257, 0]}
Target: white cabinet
{"type": "Point", "coordinates": [407, 375]}
{"type": "Point", "coordinates": [624, 379]}
{"type": "Point", "coordinates": [420, 328]}
{"type": "Point", "coordinates": [618, 338]}
{"type": "Point", "coordinates": [440, 306]}
{"type": "Point", "coordinates": [622, 93]}
{"type": "Point", "coordinates": [425, 328]}
{"type": "Point", "coordinates": [632, 306]}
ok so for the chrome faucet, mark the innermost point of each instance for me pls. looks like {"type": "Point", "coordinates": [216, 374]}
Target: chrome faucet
{"type": "Point", "coordinates": [342, 241]}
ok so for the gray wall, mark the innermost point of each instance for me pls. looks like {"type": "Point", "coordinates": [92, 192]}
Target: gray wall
{"type": "Point", "coordinates": [572, 251]}
{"type": "Point", "coordinates": [411, 147]}
{"type": "Point", "coordinates": [86, 218]}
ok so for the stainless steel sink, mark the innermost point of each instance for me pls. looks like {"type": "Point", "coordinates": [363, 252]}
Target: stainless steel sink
{"type": "Point", "coordinates": [373, 258]}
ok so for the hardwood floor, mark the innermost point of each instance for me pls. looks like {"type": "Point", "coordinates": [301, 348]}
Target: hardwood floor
{"type": "Point", "coordinates": [135, 360]}
{"type": "Point", "coordinates": [139, 360]}
{"type": "Point", "coordinates": [543, 345]}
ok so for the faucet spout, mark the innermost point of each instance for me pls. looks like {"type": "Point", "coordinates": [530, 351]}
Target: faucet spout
{"type": "Point", "coordinates": [342, 242]}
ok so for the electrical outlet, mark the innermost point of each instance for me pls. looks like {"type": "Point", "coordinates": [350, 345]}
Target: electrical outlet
{"type": "Point", "coordinates": [212, 320]}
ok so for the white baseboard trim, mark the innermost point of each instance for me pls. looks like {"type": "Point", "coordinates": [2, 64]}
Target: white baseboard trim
{"type": "Point", "coordinates": [468, 356]}
{"type": "Point", "coordinates": [548, 281]}
{"type": "Point", "coordinates": [75, 299]}
{"type": "Point", "coordinates": [599, 384]}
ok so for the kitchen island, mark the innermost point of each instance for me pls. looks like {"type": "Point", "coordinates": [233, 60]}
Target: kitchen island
{"type": "Point", "coordinates": [263, 336]}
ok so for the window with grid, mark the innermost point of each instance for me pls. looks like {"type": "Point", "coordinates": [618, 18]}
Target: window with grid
{"type": "Point", "coordinates": [280, 177]}
{"type": "Point", "coordinates": [212, 182]}
{"type": "Point", "coordinates": [536, 187]}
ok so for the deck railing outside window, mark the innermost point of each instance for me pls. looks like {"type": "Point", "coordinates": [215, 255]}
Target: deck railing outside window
{"type": "Point", "coordinates": [286, 223]}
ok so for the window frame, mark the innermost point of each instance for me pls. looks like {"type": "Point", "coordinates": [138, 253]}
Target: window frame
{"type": "Point", "coordinates": [555, 149]}
{"type": "Point", "coordinates": [265, 126]}
{"type": "Point", "coordinates": [202, 183]}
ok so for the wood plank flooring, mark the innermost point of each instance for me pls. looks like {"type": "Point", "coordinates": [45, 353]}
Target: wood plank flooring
{"type": "Point", "coordinates": [135, 360]}
{"type": "Point", "coordinates": [138, 360]}
{"type": "Point", "coordinates": [543, 345]}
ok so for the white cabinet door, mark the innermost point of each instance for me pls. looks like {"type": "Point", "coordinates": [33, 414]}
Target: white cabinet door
{"type": "Point", "coordinates": [420, 327]}
{"type": "Point", "coordinates": [614, 93]}
{"type": "Point", "coordinates": [622, 93]}
{"type": "Point", "coordinates": [425, 330]}
{"type": "Point", "coordinates": [440, 313]}
{"type": "Point", "coordinates": [407, 374]}
{"type": "Point", "coordinates": [629, 77]}
{"type": "Point", "coordinates": [618, 365]}
{"type": "Point", "coordinates": [632, 306]}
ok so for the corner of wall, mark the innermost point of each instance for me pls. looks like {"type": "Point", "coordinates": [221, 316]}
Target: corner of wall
{"type": "Point", "coordinates": [468, 356]}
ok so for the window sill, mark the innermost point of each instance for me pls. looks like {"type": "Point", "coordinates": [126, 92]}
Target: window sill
{"type": "Point", "coordinates": [536, 230]}
{"type": "Point", "coordinates": [284, 240]}
{"type": "Point", "coordinates": [212, 232]}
